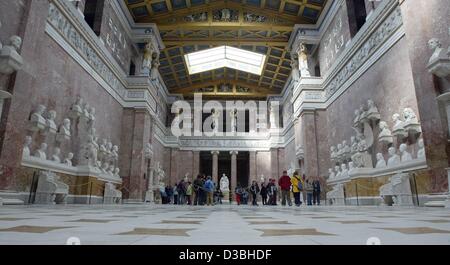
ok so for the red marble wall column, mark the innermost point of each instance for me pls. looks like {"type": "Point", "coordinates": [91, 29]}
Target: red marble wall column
{"type": "Point", "coordinates": [424, 20]}
{"type": "Point", "coordinates": [135, 134]}
{"type": "Point", "coordinates": [233, 170]}
{"type": "Point", "coordinates": [308, 120]}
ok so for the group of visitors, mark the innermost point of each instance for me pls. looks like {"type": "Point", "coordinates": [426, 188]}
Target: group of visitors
{"type": "Point", "coordinates": [204, 191]}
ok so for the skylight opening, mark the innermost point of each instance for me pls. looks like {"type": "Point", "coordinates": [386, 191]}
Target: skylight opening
{"type": "Point", "coordinates": [225, 56]}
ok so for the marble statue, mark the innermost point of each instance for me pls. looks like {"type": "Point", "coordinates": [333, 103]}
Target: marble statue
{"type": "Point", "coordinates": [111, 195]}
{"type": "Point", "coordinates": [56, 155]}
{"type": "Point", "coordinates": [381, 163]}
{"type": "Point", "coordinates": [337, 169]}
{"type": "Point", "coordinates": [303, 61]}
{"type": "Point", "coordinates": [50, 123]}
{"type": "Point", "coordinates": [273, 114]}
{"type": "Point", "coordinates": [148, 152]}
{"type": "Point", "coordinates": [215, 121]}
{"type": "Point", "coordinates": [372, 112]}
{"type": "Point", "coordinates": [262, 179]}
{"type": "Point", "coordinates": [68, 159]}
{"type": "Point", "coordinates": [224, 184]}
{"type": "Point", "coordinates": [154, 70]}
{"type": "Point", "coordinates": [394, 159]}
{"type": "Point", "coordinates": [421, 151]}
{"type": "Point", "coordinates": [331, 174]}
{"type": "Point", "coordinates": [295, 70]}
{"type": "Point", "coordinates": [10, 59]}
{"type": "Point", "coordinates": [439, 62]}
{"type": "Point", "coordinates": [38, 121]}
{"type": "Point", "coordinates": [148, 57]}
{"type": "Point", "coordinates": [399, 187]}
{"type": "Point", "coordinates": [399, 128]}
{"type": "Point", "coordinates": [385, 134]}
{"type": "Point", "coordinates": [405, 155]}
{"type": "Point", "coordinates": [333, 154]}
{"type": "Point", "coordinates": [233, 116]}
{"type": "Point", "coordinates": [40, 153]}
{"type": "Point", "coordinates": [89, 153]}
{"type": "Point", "coordinates": [77, 108]}
{"type": "Point", "coordinates": [411, 123]}
{"type": "Point", "coordinates": [344, 171]}
{"type": "Point", "coordinates": [26, 146]}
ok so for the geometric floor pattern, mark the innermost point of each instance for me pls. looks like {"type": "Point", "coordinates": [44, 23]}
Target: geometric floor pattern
{"type": "Point", "coordinates": [222, 225]}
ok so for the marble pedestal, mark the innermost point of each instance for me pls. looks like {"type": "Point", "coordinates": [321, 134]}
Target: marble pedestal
{"type": "Point", "coordinates": [149, 196]}
{"type": "Point", "coordinates": [226, 197]}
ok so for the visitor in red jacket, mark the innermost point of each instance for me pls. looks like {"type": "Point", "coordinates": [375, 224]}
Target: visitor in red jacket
{"type": "Point", "coordinates": [285, 185]}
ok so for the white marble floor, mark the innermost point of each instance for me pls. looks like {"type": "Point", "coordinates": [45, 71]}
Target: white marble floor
{"type": "Point", "coordinates": [225, 224]}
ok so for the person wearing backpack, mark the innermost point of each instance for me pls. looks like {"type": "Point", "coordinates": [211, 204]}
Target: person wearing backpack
{"type": "Point", "coordinates": [264, 193]}
{"type": "Point", "coordinates": [297, 187]}
{"type": "Point", "coordinates": [209, 189]}
{"type": "Point", "coordinates": [309, 191]}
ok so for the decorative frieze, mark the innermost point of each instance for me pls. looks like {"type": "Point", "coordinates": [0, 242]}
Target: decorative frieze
{"type": "Point", "coordinates": [72, 35]}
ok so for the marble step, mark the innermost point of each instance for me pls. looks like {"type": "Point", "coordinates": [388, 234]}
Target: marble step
{"type": "Point", "coordinates": [11, 202]}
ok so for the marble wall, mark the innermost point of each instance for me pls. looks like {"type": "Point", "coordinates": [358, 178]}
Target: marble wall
{"type": "Point", "coordinates": [48, 71]}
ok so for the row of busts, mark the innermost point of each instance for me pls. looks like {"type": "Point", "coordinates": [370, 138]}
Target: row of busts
{"type": "Point", "coordinates": [341, 152]}
{"type": "Point", "coordinates": [402, 156]}
{"type": "Point", "coordinates": [44, 121]}
{"type": "Point", "coordinates": [102, 155]}
{"type": "Point", "coordinates": [366, 113]}
{"type": "Point", "coordinates": [404, 125]}
{"type": "Point", "coordinates": [83, 110]}
{"type": "Point", "coordinates": [10, 59]}
{"type": "Point", "coordinates": [41, 153]}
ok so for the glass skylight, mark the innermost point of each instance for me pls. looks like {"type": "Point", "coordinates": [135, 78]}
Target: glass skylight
{"type": "Point", "coordinates": [225, 56]}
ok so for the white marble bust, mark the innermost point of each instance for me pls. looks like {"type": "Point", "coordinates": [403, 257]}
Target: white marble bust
{"type": "Point", "coordinates": [116, 172]}
{"type": "Point", "coordinates": [68, 159]}
{"type": "Point", "coordinates": [13, 60]}
{"type": "Point", "coordinates": [333, 153]}
{"type": "Point", "coordinates": [421, 151]}
{"type": "Point", "coordinates": [338, 172]}
{"type": "Point", "coordinates": [110, 170]}
{"type": "Point", "coordinates": [331, 174]}
{"type": "Point", "coordinates": [56, 155]}
{"type": "Point", "coordinates": [64, 129]}
{"type": "Point", "coordinates": [411, 122]}
{"type": "Point", "coordinates": [50, 123]}
{"type": "Point", "coordinates": [399, 126]}
{"type": "Point", "coordinates": [354, 145]}
{"type": "Point", "coordinates": [262, 179]}
{"type": "Point", "coordinates": [40, 153]}
{"type": "Point", "coordinates": [351, 166]}
{"type": "Point", "coordinates": [105, 167]}
{"type": "Point", "coordinates": [346, 150]}
{"type": "Point", "coordinates": [224, 183]}
{"type": "Point", "coordinates": [405, 155]}
{"type": "Point", "coordinates": [381, 163]}
{"type": "Point", "coordinates": [26, 146]}
{"type": "Point", "coordinates": [37, 118]}
{"type": "Point", "coordinates": [385, 134]}
{"type": "Point", "coordinates": [372, 112]}
{"type": "Point", "coordinates": [394, 159]}
{"type": "Point", "coordinates": [77, 107]}
{"type": "Point", "coordinates": [438, 53]}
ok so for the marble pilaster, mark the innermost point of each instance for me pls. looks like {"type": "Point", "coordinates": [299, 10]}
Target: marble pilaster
{"type": "Point", "coordinates": [215, 166]}
{"type": "Point", "coordinates": [233, 170]}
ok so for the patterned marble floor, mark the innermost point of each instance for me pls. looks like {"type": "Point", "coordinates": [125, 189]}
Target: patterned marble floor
{"type": "Point", "coordinates": [225, 224]}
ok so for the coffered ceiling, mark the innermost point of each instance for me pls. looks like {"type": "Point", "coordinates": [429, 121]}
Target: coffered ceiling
{"type": "Point", "coordinates": [262, 26]}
